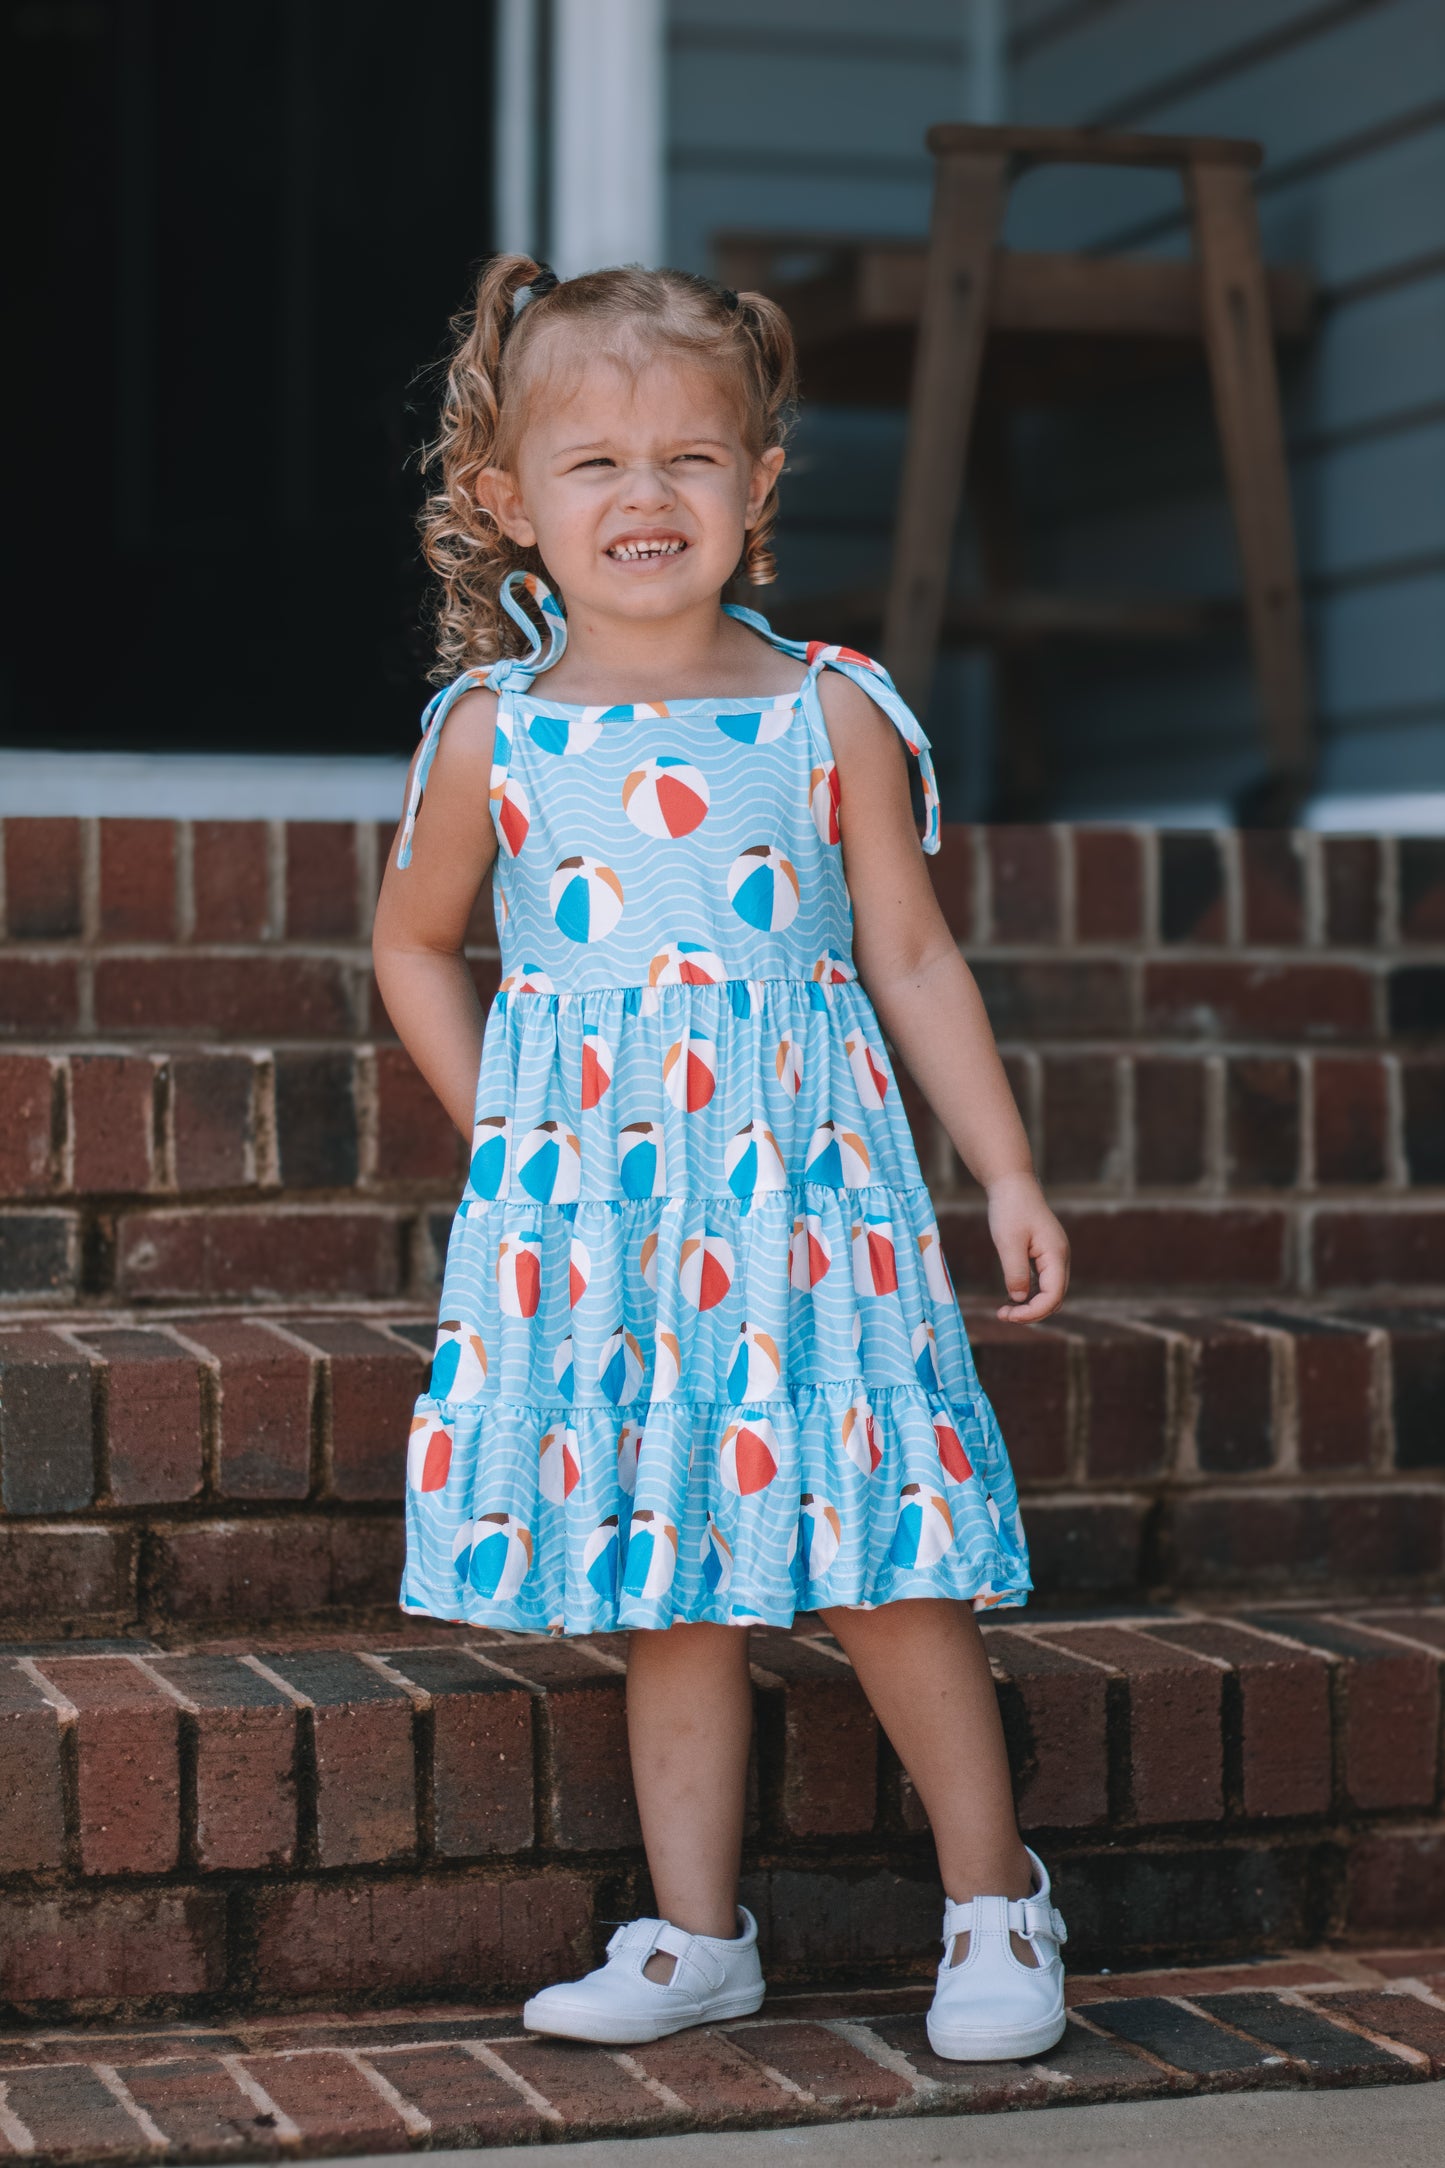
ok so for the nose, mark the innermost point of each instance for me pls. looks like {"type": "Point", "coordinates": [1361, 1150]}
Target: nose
{"type": "Point", "coordinates": [647, 488]}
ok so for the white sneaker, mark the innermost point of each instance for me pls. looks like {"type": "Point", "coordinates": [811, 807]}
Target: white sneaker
{"type": "Point", "coordinates": [618, 2004]}
{"type": "Point", "coordinates": [991, 2006]}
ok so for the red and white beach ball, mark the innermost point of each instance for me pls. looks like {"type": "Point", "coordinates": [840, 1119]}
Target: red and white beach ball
{"type": "Point", "coordinates": [859, 1436]}
{"type": "Point", "coordinates": [519, 1274]}
{"type": "Point", "coordinates": [511, 812]}
{"type": "Point", "coordinates": [685, 963]}
{"type": "Point", "coordinates": [596, 1066]}
{"type": "Point", "coordinates": [667, 797]}
{"type": "Point", "coordinates": [559, 1470]}
{"type": "Point", "coordinates": [824, 798]}
{"type": "Point", "coordinates": [869, 1071]}
{"type": "Point", "coordinates": [689, 1072]}
{"type": "Point", "coordinates": [954, 1461]}
{"type": "Point", "coordinates": [809, 1252]}
{"type": "Point", "coordinates": [875, 1261]}
{"type": "Point", "coordinates": [705, 1270]}
{"type": "Point", "coordinates": [428, 1454]}
{"type": "Point", "coordinates": [530, 979]}
{"type": "Point", "coordinates": [749, 1456]}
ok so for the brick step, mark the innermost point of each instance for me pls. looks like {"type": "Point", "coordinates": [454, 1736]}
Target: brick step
{"type": "Point", "coordinates": [398, 2080]}
{"type": "Point", "coordinates": [277, 1822]}
{"type": "Point", "coordinates": [187, 1469]}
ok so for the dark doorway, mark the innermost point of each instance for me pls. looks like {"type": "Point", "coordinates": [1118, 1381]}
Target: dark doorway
{"type": "Point", "coordinates": [237, 230]}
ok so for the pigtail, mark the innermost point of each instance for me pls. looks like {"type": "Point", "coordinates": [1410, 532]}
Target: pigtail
{"type": "Point", "coordinates": [770, 336]}
{"type": "Point", "coordinates": [461, 541]}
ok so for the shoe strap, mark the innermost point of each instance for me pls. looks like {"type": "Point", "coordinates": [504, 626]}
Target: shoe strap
{"type": "Point", "coordinates": [646, 1936]}
{"type": "Point", "coordinates": [1026, 1916]}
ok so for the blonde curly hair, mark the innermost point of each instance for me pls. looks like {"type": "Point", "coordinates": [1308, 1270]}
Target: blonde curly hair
{"type": "Point", "coordinates": [483, 408]}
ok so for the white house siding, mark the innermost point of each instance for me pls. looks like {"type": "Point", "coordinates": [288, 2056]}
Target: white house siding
{"type": "Point", "coordinates": [809, 115]}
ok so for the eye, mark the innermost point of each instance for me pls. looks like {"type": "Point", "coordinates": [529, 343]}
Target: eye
{"type": "Point", "coordinates": [601, 460]}
{"type": "Point", "coordinates": [706, 457]}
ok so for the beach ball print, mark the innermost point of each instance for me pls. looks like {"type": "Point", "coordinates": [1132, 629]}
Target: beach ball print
{"type": "Point", "coordinates": [924, 1531]}
{"type": "Point", "coordinates": [647, 1259]}
{"type": "Point", "coordinates": [935, 1268]}
{"type": "Point", "coordinates": [511, 813]}
{"type": "Point", "coordinates": [875, 1261]}
{"type": "Point", "coordinates": [820, 1533]}
{"type": "Point", "coordinates": [619, 1367]}
{"type": "Point", "coordinates": [579, 1271]}
{"type": "Point", "coordinates": [705, 1270]}
{"type": "Point", "coordinates": [567, 734]}
{"type": "Point", "coordinates": [824, 798]}
{"type": "Point", "coordinates": [559, 1470]}
{"type": "Point", "coordinates": [428, 1454]}
{"type": "Point", "coordinates": [641, 1160]}
{"type": "Point", "coordinates": [689, 1072]}
{"type": "Point", "coordinates": [651, 1556]}
{"type": "Point", "coordinates": [599, 1558]}
{"type": "Point", "coordinates": [838, 1157]}
{"type": "Point", "coordinates": [749, 1457]}
{"type": "Point", "coordinates": [519, 1274]}
{"type": "Point", "coordinates": [752, 1161]}
{"type": "Point", "coordinates": [549, 1164]}
{"type": "Point", "coordinates": [869, 1073]}
{"type": "Point", "coordinates": [666, 1365]}
{"type": "Point", "coordinates": [759, 726]}
{"type": "Point", "coordinates": [459, 1365]}
{"type": "Point", "coordinates": [564, 1369]}
{"type": "Point", "coordinates": [716, 1558]}
{"type": "Point", "coordinates": [925, 1357]}
{"type": "Point", "coordinates": [832, 969]}
{"type": "Point", "coordinates": [629, 1448]}
{"type": "Point", "coordinates": [685, 963]}
{"type": "Point", "coordinates": [788, 1065]}
{"type": "Point", "coordinates": [493, 1555]}
{"type": "Point", "coordinates": [530, 979]}
{"type": "Point", "coordinates": [859, 1437]}
{"type": "Point", "coordinates": [809, 1252]}
{"type": "Point", "coordinates": [954, 1461]}
{"type": "Point", "coordinates": [763, 888]}
{"type": "Point", "coordinates": [667, 798]}
{"type": "Point", "coordinates": [490, 1141]}
{"type": "Point", "coordinates": [755, 1367]}
{"type": "Point", "coordinates": [586, 899]}
{"type": "Point", "coordinates": [596, 1066]}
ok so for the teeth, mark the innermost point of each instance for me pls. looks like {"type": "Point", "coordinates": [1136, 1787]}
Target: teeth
{"type": "Point", "coordinates": [629, 552]}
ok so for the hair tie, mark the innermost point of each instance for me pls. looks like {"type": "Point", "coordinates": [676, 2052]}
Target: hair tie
{"type": "Point", "coordinates": [543, 283]}
{"type": "Point", "coordinates": [728, 298]}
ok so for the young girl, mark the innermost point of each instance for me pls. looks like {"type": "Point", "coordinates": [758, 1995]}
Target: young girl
{"type": "Point", "coordinates": [699, 1363]}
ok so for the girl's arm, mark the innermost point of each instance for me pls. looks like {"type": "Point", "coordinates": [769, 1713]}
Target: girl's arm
{"type": "Point", "coordinates": [927, 998]}
{"type": "Point", "coordinates": [423, 909]}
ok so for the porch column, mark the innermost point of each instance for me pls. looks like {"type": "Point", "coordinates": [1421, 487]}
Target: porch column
{"type": "Point", "coordinates": [607, 133]}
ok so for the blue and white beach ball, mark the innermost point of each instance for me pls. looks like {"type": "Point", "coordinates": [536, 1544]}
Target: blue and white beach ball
{"type": "Point", "coordinates": [763, 888]}
{"type": "Point", "coordinates": [629, 1448]}
{"type": "Point", "coordinates": [459, 1364]}
{"type": "Point", "coordinates": [586, 899]}
{"type": "Point", "coordinates": [924, 1531]}
{"type": "Point", "coordinates": [549, 1164]}
{"type": "Point", "coordinates": [490, 1141]}
{"type": "Point", "coordinates": [755, 1367]}
{"type": "Point", "coordinates": [641, 1159]}
{"type": "Point", "coordinates": [749, 1456]}
{"type": "Point", "coordinates": [428, 1454]}
{"type": "Point", "coordinates": [647, 1259]}
{"type": "Point", "coordinates": [493, 1555]}
{"type": "Point", "coordinates": [666, 798]}
{"type": "Point", "coordinates": [838, 1157]}
{"type": "Point", "coordinates": [715, 1555]}
{"type": "Point", "coordinates": [820, 1532]}
{"type": "Point", "coordinates": [566, 734]}
{"type": "Point", "coordinates": [689, 1072]}
{"type": "Point", "coordinates": [564, 1374]}
{"type": "Point", "coordinates": [666, 1365]}
{"type": "Point", "coordinates": [705, 1270]}
{"type": "Point", "coordinates": [519, 1274]}
{"type": "Point", "coordinates": [559, 1469]}
{"type": "Point", "coordinates": [619, 1367]}
{"type": "Point", "coordinates": [924, 1344]}
{"type": "Point", "coordinates": [651, 1556]}
{"type": "Point", "coordinates": [809, 1252]}
{"type": "Point", "coordinates": [752, 1161]}
{"type": "Point", "coordinates": [530, 979]}
{"type": "Point", "coordinates": [599, 1558]}
{"type": "Point", "coordinates": [759, 726]}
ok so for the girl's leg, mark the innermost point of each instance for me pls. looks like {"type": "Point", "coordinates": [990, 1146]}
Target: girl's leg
{"type": "Point", "coordinates": [923, 1666]}
{"type": "Point", "coordinates": [689, 1728]}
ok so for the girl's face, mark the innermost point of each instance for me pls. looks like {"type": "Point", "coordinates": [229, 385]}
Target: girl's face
{"type": "Point", "coordinates": [636, 486]}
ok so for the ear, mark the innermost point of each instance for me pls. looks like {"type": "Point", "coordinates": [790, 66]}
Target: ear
{"type": "Point", "coordinates": [497, 493]}
{"type": "Point", "coordinates": [765, 473]}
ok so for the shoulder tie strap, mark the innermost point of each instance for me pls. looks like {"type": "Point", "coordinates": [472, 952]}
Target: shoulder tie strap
{"type": "Point", "coordinates": [873, 679]}
{"type": "Point", "coordinates": [513, 673]}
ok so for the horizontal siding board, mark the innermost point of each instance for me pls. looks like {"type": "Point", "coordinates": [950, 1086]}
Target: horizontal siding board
{"type": "Point", "coordinates": [1382, 647]}
{"type": "Point", "coordinates": [752, 200]}
{"type": "Point", "coordinates": [829, 106]}
{"type": "Point", "coordinates": [1380, 356]}
{"type": "Point", "coordinates": [1381, 210]}
{"type": "Point", "coordinates": [928, 22]}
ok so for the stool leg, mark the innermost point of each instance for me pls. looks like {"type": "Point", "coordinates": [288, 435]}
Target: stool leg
{"type": "Point", "coordinates": [1246, 404]}
{"type": "Point", "coordinates": [967, 202]}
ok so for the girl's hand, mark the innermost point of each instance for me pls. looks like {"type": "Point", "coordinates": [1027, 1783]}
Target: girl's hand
{"type": "Point", "coordinates": [1025, 1233]}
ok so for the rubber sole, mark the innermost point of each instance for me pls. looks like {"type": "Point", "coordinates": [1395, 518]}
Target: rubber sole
{"type": "Point", "coordinates": [984, 2044]}
{"type": "Point", "coordinates": [622, 2033]}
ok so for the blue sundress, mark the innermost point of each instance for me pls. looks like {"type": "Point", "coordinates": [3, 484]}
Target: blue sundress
{"type": "Point", "coordinates": [699, 1357]}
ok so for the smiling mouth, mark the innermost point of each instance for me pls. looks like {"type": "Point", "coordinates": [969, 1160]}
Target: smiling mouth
{"type": "Point", "coordinates": [642, 550]}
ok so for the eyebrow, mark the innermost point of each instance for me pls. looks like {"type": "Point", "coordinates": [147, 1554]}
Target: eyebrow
{"type": "Point", "coordinates": [566, 451]}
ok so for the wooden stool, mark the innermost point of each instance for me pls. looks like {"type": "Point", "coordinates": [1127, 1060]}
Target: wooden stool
{"type": "Point", "coordinates": [960, 289]}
